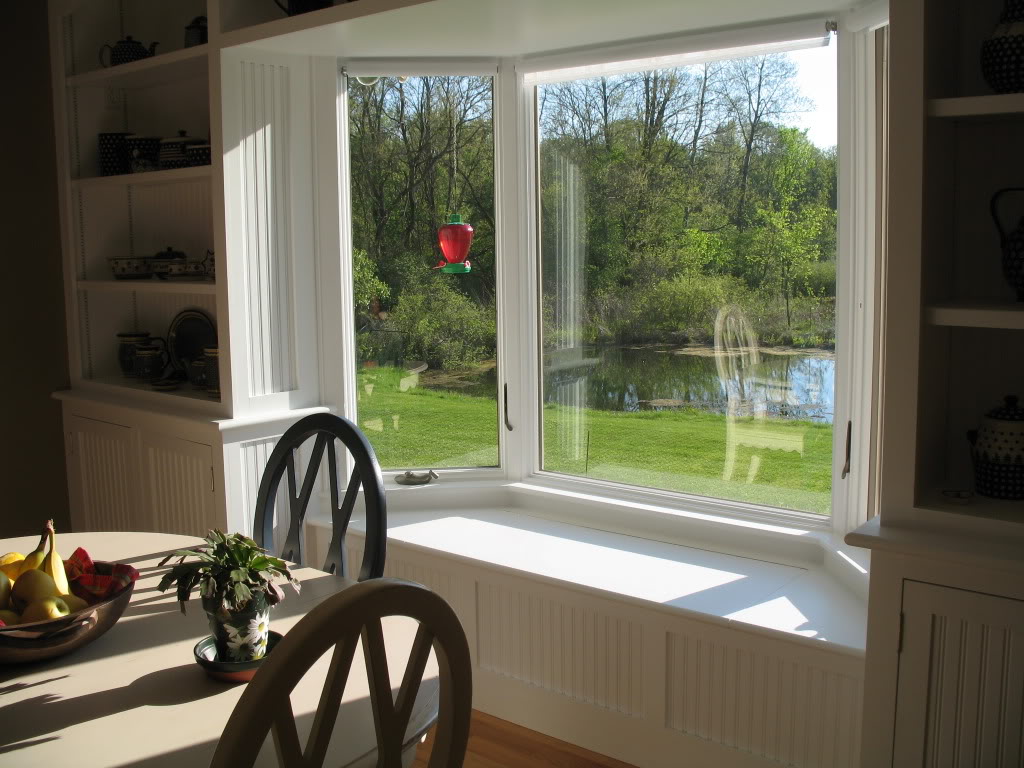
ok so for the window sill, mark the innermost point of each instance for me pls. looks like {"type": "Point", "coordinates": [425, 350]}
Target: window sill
{"type": "Point", "coordinates": [803, 602]}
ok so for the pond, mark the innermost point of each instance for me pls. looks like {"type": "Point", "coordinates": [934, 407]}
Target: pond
{"type": "Point", "coordinates": [785, 382]}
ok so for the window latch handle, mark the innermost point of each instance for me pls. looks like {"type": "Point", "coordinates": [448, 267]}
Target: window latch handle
{"type": "Point", "coordinates": [508, 424]}
{"type": "Point", "coordinates": [846, 465]}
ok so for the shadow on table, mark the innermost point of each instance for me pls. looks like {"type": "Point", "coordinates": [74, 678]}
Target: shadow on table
{"type": "Point", "coordinates": [47, 714]}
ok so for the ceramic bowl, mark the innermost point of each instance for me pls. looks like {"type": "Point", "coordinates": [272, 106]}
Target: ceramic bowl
{"type": "Point", "coordinates": [131, 268]}
{"type": "Point", "coordinates": [45, 639]}
{"type": "Point", "coordinates": [230, 671]}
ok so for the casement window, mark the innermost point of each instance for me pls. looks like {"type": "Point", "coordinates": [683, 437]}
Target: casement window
{"type": "Point", "coordinates": [672, 285]}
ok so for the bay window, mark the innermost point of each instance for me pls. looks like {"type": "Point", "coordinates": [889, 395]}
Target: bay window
{"type": "Point", "coordinates": [659, 306]}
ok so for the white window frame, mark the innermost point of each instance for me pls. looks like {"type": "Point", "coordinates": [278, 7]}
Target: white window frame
{"type": "Point", "coordinates": [614, 506]}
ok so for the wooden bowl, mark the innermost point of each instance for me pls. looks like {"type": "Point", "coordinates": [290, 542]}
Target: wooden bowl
{"type": "Point", "coordinates": [46, 639]}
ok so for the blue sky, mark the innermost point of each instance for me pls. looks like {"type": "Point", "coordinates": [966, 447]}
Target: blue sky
{"type": "Point", "coordinates": [817, 81]}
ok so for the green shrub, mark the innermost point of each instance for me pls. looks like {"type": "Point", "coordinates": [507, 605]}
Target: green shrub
{"type": "Point", "coordinates": [443, 327]}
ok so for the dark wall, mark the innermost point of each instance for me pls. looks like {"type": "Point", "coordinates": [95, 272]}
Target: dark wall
{"type": "Point", "coordinates": [33, 480]}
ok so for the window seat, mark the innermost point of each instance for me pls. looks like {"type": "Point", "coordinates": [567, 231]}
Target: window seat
{"type": "Point", "coordinates": [803, 604]}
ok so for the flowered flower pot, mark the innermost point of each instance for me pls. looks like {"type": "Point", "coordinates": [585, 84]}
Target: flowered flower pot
{"type": "Point", "coordinates": [240, 635]}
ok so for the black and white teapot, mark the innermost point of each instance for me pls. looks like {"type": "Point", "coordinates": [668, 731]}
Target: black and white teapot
{"type": "Point", "coordinates": [997, 452]}
{"type": "Point", "coordinates": [126, 51]}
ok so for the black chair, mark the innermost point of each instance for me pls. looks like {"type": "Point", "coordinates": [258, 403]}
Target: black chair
{"type": "Point", "coordinates": [326, 428]}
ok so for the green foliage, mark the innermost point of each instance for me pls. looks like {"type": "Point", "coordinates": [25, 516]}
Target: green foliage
{"type": "Point", "coordinates": [229, 570]}
{"type": "Point", "coordinates": [366, 285]}
{"type": "Point", "coordinates": [444, 327]}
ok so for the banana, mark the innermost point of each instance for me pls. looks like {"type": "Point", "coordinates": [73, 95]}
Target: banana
{"type": "Point", "coordinates": [35, 558]}
{"type": "Point", "coordinates": [53, 565]}
{"type": "Point", "coordinates": [10, 564]}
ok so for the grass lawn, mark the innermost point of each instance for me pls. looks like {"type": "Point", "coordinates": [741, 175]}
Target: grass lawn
{"type": "Point", "coordinates": [779, 463]}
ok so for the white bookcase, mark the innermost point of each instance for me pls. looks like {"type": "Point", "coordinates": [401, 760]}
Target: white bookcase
{"type": "Point", "coordinates": [211, 450]}
{"type": "Point", "coordinates": [946, 564]}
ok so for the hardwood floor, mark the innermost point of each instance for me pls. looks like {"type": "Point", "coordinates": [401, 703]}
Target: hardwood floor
{"type": "Point", "coordinates": [495, 743]}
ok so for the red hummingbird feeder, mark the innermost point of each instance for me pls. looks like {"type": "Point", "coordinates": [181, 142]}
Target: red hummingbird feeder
{"type": "Point", "coordinates": [454, 238]}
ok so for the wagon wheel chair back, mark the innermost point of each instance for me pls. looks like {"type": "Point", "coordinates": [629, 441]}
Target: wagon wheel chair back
{"type": "Point", "coordinates": [326, 428]}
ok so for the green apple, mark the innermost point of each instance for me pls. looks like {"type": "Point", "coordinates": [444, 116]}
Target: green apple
{"type": "Point", "coordinates": [44, 610]}
{"type": "Point", "coordinates": [10, 618]}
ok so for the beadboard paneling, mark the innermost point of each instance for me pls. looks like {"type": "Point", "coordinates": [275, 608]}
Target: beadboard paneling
{"type": "Point", "coordinates": [562, 646]}
{"type": "Point", "coordinates": [103, 485]}
{"type": "Point", "coordinates": [782, 708]}
{"type": "Point", "coordinates": [961, 679]}
{"type": "Point", "coordinates": [177, 215]}
{"type": "Point", "coordinates": [264, 142]}
{"type": "Point", "coordinates": [180, 484]}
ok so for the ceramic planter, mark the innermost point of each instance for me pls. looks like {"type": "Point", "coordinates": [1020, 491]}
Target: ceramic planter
{"type": "Point", "coordinates": [997, 451]}
{"type": "Point", "coordinates": [240, 635]}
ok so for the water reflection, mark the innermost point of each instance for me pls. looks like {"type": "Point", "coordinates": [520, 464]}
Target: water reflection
{"type": "Point", "coordinates": [786, 383]}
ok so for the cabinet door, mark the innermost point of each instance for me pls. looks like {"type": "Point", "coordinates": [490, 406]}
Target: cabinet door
{"type": "Point", "coordinates": [961, 679]}
{"type": "Point", "coordinates": [102, 475]}
{"type": "Point", "coordinates": [179, 482]}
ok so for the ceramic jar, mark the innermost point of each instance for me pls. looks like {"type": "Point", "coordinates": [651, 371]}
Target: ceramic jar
{"type": "Point", "coordinates": [150, 361]}
{"type": "Point", "coordinates": [212, 359]}
{"type": "Point", "coordinates": [127, 341]}
{"type": "Point", "coordinates": [1002, 55]}
{"type": "Point", "coordinates": [114, 157]}
{"type": "Point", "coordinates": [198, 154]}
{"type": "Point", "coordinates": [143, 153]}
{"type": "Point", "coordinates": [196, 33]}
{"type": "Point", "coordinates": [997, 452]}
{"type": "Point", "coordinates": [240, 635]}
{"type": "Point", "coordinates": [174, 151]}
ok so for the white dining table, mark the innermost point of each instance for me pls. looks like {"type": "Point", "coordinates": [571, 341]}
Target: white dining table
{"type": "Point", "coordinates": [135, 696]}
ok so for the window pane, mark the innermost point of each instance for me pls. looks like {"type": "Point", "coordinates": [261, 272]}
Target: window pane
{"type": "Point", "coordinates": [688, 241]}
{"type": "Point", "coordinates": [423, 149]}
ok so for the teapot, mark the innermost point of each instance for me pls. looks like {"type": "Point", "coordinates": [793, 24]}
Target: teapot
{"type": "Point", "coordinates": [1012, 244]}
{"type": "Point", "coordinates": [997, 451]}
{"type": "Point", "coordinates": [196, 32]}
{"type": "Point", "coordinates": [126, 51]}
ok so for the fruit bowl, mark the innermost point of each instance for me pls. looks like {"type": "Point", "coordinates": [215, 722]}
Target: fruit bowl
{"type": "Point", "coordinates": [39, 640]}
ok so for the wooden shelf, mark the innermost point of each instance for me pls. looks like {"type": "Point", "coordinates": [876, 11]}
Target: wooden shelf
{"type": "Point", "coordinates": [156, 70]}
{"type": "Point", "coordinates": [977, 315]}
{"type": "Point", "coordinates": [335, 14]}
{"type": "Point", "coordinates": [1005, 104]}
{"type": "Point", "coordinates": [186, 395]}
{"type": "Point", "coordinates": [138, 179]}
{"type": "Point", "coordinates": [150, 286]}
{"type": "Point", "coordinates": [980, 507]}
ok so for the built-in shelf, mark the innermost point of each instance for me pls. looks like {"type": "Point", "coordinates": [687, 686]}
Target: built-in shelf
{"type": "Point", "coordinates": [974, 505]}
{"type": "Point", "coordinates": [150, 286]}
{"type": "Point", "coordinates": [977, 315]}
{"type": "Point", "coordinates": [978, 106]}
{"type": "Point", "coordinates": [196, 398]}
{"type": "Point", "coordinates": [312, 20]}
{"type": "Point", "coordinates": [155, 70]}
{"type": "Point", "coordinates": [152, 177]}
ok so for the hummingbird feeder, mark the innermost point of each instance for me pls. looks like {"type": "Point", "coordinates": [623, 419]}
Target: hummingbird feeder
{"type": "Point", "coordinates": [454, 238]}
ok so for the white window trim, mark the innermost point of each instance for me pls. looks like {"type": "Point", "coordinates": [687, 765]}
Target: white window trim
{"type": "Point", "coordinates": [517, 259]}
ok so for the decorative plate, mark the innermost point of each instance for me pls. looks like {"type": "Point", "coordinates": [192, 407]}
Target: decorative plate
{"type": "Point", "coordinates": [190, 332]}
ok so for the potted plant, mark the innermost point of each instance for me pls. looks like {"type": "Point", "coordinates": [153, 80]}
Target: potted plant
{"type": "Point", "coordinates": [236, 579]}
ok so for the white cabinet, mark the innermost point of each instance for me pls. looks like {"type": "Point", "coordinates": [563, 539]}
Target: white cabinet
{"type": "Point", "coordinates": [102, 475]}
{"type": "Point", "coordinates": [961, 679]}
{"type": "Point", "coordinates": [131, 477]}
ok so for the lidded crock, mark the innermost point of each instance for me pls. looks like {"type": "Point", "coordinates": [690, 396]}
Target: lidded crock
{"type": "Point", "coordinates": [997, 451]}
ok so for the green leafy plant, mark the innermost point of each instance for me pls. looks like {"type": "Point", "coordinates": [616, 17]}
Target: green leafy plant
{"type": "Point", "coordinates": [229, 569]}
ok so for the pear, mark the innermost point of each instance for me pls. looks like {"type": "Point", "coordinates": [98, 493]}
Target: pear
{"type": "Point", "coordinates": [32, 586]}
{"type": "Point", "coordinates": [75, 603]}
{"type": "Point", "coordinates": [53, 565]}
{"type": "Point", "coordinates": [10, 618]}
{"type": "Point", "coordinates": [34, 559]}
